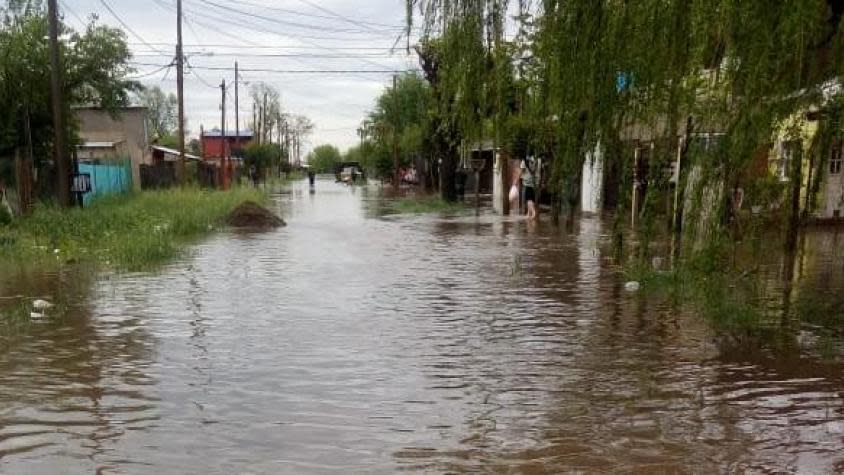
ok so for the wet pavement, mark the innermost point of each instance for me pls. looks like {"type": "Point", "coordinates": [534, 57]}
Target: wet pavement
{"type": "Point", "coordinates": [357, 342]}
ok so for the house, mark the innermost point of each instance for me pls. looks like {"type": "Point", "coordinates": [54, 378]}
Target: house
{"type": "Point", "coordinates": [114, 135]}
{"type": "Point", "coordinates": [794, 141]}
{"type": "Point", "coordinates": [163, 155]}
{"type": "Point", "coordinates": [213, 143]}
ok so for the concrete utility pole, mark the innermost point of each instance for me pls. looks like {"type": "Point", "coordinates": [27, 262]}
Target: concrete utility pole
{"type": "Point", "coordinates": [180, 86]}
{"type": "Point", "coordinates": [59, 144]}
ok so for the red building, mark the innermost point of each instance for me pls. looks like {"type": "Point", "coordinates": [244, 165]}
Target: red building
{"type": "Point", "coordinates": [212, 143]}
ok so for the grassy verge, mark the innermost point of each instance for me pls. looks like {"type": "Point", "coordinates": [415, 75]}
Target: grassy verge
{"type": "Point", "coordinates": [129, 232]}
{"type": "Point", "coordinates": [748, 303]}
{"type": "Point", "coordinates": [731, 301]}
{"type": "Point", "coordinates": [425, 204]}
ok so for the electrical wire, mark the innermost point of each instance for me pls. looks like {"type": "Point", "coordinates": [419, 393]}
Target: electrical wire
{"type": "Point", "coordinates": [73, 13]}
{"type": "Point", "coordinates": [128, 28]}
{"type": "Point", "coordinates": [151, 73]}
{"type": "Point", "coordinates": [305, 26]}
{"type": "Point", "coordinates": [288, 71]}
{"type": "Point", "coordinates": [151, 54]}
{"type": "Point", "coordinates": [227, 24]}
{"type": "Point", "coordinates": [310, 15]}
{"type": "Point", "coordinates": [198, 76]}
{"type": "Point", "coordinates": [231, 46]}
{"type": "Point", "coordinates": [337, 15]}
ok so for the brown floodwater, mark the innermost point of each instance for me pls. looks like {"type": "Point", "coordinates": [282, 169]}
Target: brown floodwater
{"type": "Point", "coordinates": [357, 342]}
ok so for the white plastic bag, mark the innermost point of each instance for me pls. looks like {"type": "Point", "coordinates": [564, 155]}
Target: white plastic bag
{"type": "Point", "coordinates": [514, 193]}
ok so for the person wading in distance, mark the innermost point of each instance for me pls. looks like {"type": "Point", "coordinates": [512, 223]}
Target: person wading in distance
{"type": "Point", "coordinates": [528, 176]}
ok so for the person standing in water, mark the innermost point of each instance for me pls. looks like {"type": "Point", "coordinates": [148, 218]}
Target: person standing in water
{"type": "Point", "coordinates": [528, 175]}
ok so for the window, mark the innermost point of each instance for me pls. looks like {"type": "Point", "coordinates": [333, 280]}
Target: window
{"type": "Point", "coordinates": [790, 151]}
{"type": "Point", "coordinates": [836, 158]}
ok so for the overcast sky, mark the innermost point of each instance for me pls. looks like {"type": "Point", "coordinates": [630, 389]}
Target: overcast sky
{"type": "Point", "coordinates": [279, 35]}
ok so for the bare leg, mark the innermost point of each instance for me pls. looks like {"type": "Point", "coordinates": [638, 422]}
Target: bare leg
{"type": "Point", "coordinates": [531, 210]}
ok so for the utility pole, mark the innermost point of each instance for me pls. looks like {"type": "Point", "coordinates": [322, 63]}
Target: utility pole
{"type": "Point", "coordinates": [180, 85]}
{"type": "Point", "coordinates": [396, 180]}
{"type": "Point", "coordinates": [264, 120]}
{"type": "Point", "coordinates": [223, 139]}
{"type": "Point", "coordinates": [236, 107]}
{"type": "Point", "coordinates": [59, 147]}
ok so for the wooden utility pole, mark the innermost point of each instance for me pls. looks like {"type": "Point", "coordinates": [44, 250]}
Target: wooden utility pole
{"type": "Point", "coordinates": [634, 209]}
{"type": "Point", "coordinates": [223, 139]}
{"type": "Point", "coordinates": [236, 107]}
{"type": "Point", "coordinates": [264, 119]}
{"type": "Point", "coordinates": [180, 86]}
{"type": "Point", "coordinates": [396, 179]}
{"type": "Point", "coordinates": [59, 143]}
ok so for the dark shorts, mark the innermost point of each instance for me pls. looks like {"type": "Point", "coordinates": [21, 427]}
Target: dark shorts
{"type": "Point", "coordinates": [530, 194]}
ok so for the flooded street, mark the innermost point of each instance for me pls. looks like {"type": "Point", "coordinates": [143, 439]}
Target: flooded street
{"type": "Point", "coordinates": [357, 342]}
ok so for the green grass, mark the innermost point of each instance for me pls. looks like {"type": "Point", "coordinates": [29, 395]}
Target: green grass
{"type": "Point", "coordinates": [129, 232]}
{"type": "Point", "coordinates": [425, 204]}
{"type": "Point", "coordinates": [731, 300]}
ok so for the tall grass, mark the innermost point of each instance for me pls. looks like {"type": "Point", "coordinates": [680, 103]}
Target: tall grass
{"type": "Point", "coordinates": [127, 232]}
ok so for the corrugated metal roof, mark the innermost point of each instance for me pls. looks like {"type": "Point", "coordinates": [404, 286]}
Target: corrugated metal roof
{"type": "Point", "coordinates": [229, 133]}
{"type": "Point", "coordinates": [173, 151]}
{"type": "Point", "coordinates": [97, 144]}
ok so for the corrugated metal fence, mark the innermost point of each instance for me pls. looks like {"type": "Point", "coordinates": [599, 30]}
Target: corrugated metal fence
{"type": "Point", "coordinates": [107, 178]}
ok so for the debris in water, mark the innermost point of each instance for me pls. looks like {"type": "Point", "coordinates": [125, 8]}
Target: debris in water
{"type": "Point", "coordinates": [37, 316]}
{"type": "Point", "coordinates": [251, 215]}
{"type": "Point", "coordinates": [40, 305]}
{"type": "Point", "coordinates": [632, 286]}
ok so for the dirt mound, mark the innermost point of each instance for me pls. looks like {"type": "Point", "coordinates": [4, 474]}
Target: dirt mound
{"type": "Point", "coordinates": [254, 216]}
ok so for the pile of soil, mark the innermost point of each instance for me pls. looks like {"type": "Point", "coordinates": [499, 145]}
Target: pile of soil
{"type": "Point", "coordinates": [251, 215]}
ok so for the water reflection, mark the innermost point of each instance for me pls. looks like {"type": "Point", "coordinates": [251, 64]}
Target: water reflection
{"type": "Point", "coordinates": [351, 341]}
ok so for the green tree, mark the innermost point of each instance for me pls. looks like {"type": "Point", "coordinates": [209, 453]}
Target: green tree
{"type": "Point", "coordinates": [324, 158]}
{"type": "Point", "coordinates": [263, 156]}
{"type": "Point", "coordinates": [95, 70]}
{"type": "Point", "coordinates": [398, 124]}
{"type": "Point", "coordinates": [163, 115]}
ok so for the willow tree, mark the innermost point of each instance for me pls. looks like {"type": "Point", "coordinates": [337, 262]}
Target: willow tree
{"type": "Point", "coordinates": [456, 58]}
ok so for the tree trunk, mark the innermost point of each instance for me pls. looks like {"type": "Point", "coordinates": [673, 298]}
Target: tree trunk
{"type": "Point", "coordinates": [796, 176]}
{"type": "Point", "coordinates": [448, 176]}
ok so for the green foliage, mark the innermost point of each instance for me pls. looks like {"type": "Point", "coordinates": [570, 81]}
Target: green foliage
{"type": "Point", "coordinates": [584, 73]}
{"type": "Point", "coordinates": [324, 158]}
{"type": "Point", "coordinates": [399, 124]}
{"type": "Point", "coordinates": [263, 156]}
{"type": "Point", "coordinates": [95, 69]}
{"type": "Point", "coordinates": [375, 158]}
{"type": "Point", "coordinates": [124, 232]}
{"type": "Point", "coordinates": [163, 114]}
{"type": "Point", "coordinates": [425, 204]}
{"type": "Point", "coordinates": [5, 216]}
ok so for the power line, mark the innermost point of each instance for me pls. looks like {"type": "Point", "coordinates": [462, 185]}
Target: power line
{"type": "Point", "coordinates": [78, 18]}
{"type": "Point", "coordinates": [153, 54]}
{"type": "Point", "coordinates": [128, 28]}
{"type": "Point", "coordinates": [259, 28]}
{"type": "Point", "coordinates": [310, 15]}
{"type": "Point", "coordinates": [151, 73]}
{"type": "Point", "coordinates": [290, 71]}
{"type": "Point", "coordinates": [337, 15]}
{"type": "Point", "coordinates": [226, 20]}
{"type": "Point", "coordinates": [216, 30]}
{"type": "Point", "coordinates": [284, 22]}
{"type": "Point", "coordinates": [197, 75]}
{"type": "Point", "coordinates": [282, 47]}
